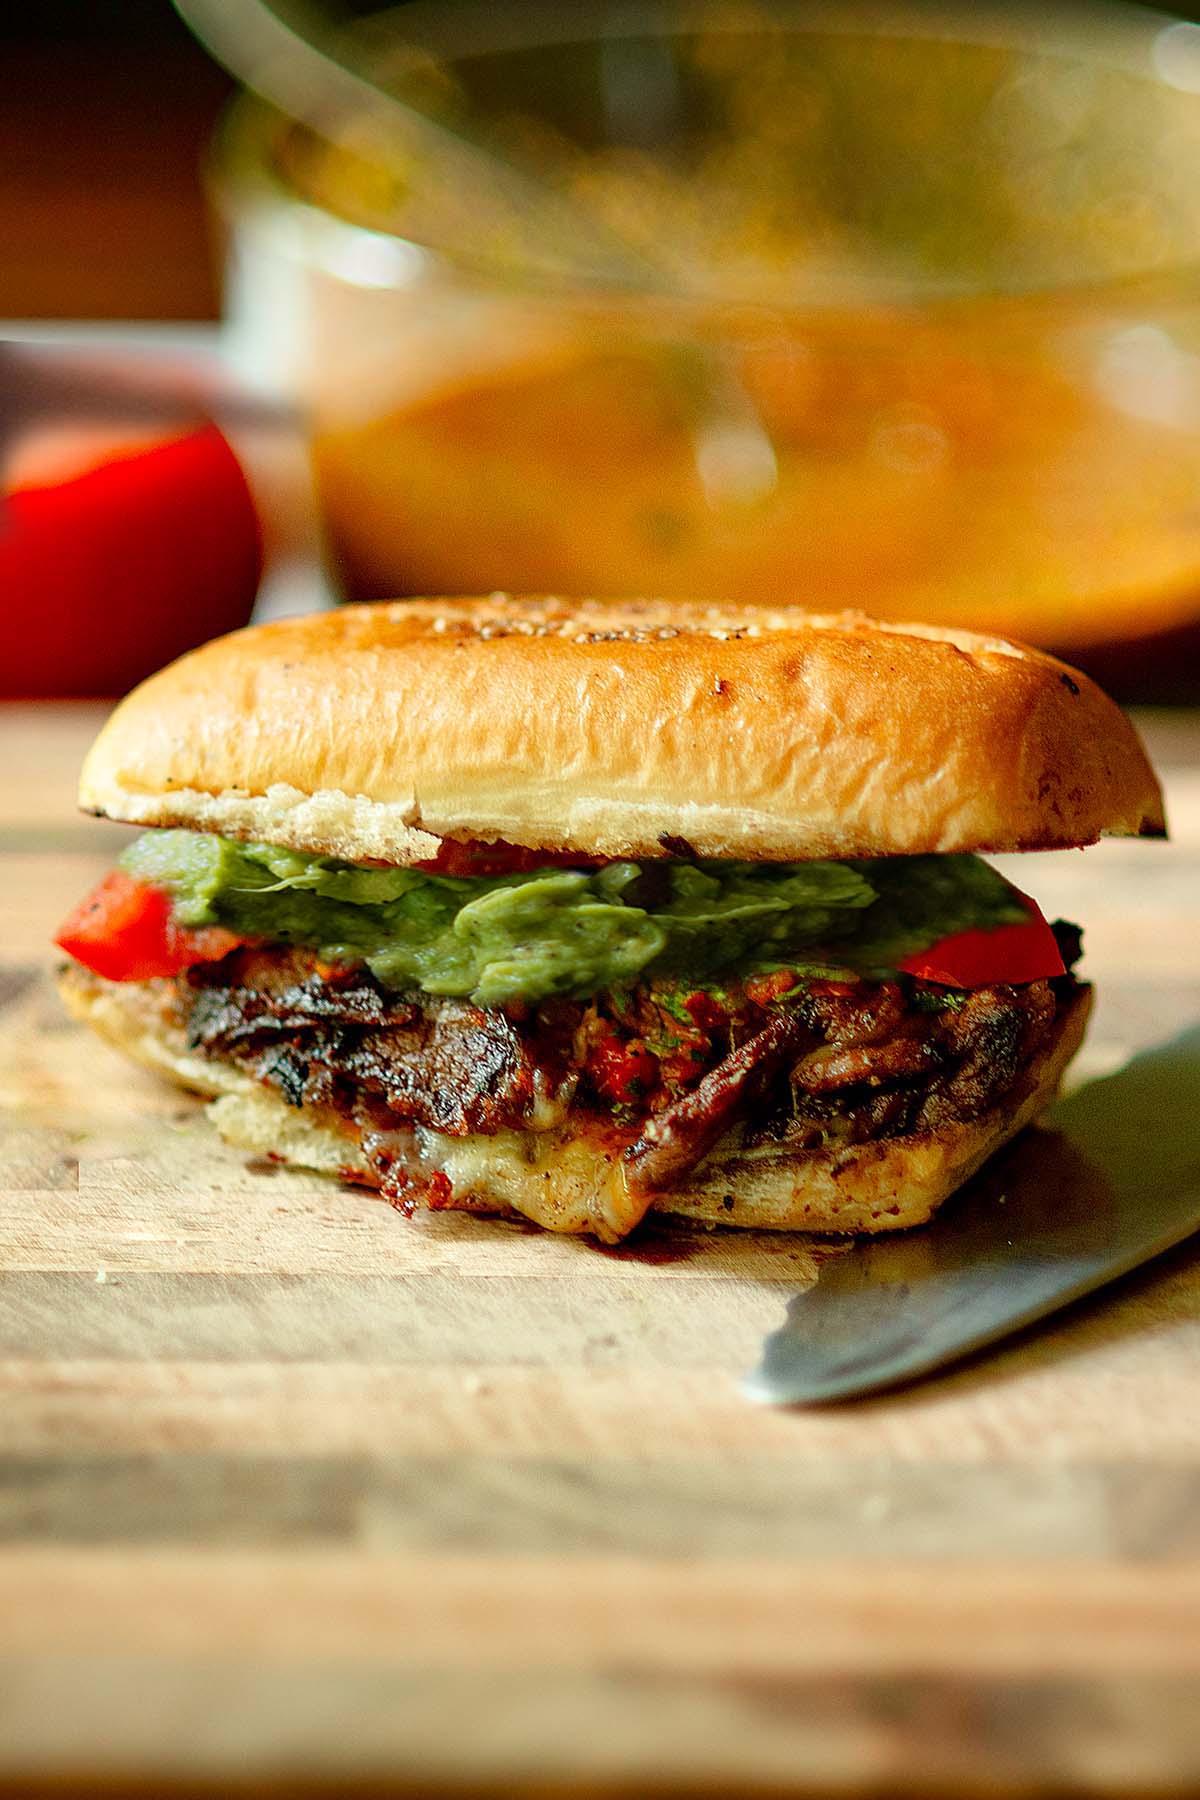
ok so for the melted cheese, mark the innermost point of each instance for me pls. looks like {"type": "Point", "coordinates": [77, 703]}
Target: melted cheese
{"type": "Point", "coordinates": [564, 1184]}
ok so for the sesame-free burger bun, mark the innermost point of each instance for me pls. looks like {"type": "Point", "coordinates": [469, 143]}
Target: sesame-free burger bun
{"type": "Point", "coordinates": [622, 728]}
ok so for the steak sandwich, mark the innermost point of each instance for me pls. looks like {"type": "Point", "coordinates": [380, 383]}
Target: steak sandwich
{"type": "Point", "coordinates": [580, 910]}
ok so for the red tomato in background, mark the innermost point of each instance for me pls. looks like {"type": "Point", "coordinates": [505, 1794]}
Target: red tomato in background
{"type": "Point", "coordinates": [109, 574]}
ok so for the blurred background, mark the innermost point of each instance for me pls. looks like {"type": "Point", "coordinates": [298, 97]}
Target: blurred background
{"type": "Point", "coordinates": [106, 113]}
{"type": "Point", "coordinates": [912, 323]}
{"type": "Point", "coordinates": [106, 110]}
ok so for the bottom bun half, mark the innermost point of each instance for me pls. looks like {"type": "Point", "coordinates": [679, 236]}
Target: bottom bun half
{"type": "Point", "coordinates": [563, 1180]}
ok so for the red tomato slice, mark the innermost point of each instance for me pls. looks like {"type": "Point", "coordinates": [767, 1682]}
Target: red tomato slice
{"type": "Point", "coordinates": [123, 931]}
{"type": "Point", "coordinates": [1010, 953]}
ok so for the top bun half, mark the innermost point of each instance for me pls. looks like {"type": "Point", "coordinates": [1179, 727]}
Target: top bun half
{"type": "Point", "coordinates": [622, 729]}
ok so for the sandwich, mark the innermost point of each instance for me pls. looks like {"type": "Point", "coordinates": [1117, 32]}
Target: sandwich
{"type": "Point", "coordinates": [578, 911]}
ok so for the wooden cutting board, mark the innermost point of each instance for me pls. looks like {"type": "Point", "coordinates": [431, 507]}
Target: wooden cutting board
{"type": "Point", "coordinates": [295, 1493]}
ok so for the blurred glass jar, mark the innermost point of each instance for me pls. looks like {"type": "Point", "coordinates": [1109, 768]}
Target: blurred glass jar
{"type": "Point", "coordinates": [916, 325]}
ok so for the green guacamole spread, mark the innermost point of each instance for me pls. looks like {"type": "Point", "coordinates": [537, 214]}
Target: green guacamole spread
{"type": "Point", "coordinates": [508, 938]}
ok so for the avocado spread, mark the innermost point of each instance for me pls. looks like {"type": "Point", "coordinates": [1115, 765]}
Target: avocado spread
{"type": "Point", "coordinates": [499, 939]}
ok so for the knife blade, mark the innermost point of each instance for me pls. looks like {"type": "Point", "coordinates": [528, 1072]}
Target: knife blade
{"type": "Point", "coordinates": [1109, 1179]}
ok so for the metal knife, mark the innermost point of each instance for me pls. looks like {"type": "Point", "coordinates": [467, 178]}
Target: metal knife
{"type": "Point", "coordinates": [1109, 1179]}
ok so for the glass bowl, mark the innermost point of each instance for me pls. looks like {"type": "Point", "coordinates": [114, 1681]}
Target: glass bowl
{"type": "Point", "coordinates": [881, 309]}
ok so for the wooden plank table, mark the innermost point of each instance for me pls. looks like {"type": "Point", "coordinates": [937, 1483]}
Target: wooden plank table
{"type": "Point", "coordinates": [294, 1493]}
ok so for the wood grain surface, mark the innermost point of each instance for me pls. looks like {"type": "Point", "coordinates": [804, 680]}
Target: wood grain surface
{"type": "Point", "coordinates": [296, 1494]}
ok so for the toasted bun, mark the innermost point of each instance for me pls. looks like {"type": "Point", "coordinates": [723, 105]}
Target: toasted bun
{"type": "Point", "coordinates": [565, 1184]}
{"type": "Point", "coordinates": [642, 729]}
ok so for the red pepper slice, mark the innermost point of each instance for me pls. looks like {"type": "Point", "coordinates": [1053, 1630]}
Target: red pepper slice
{"type": "Point", "coordinates": [1015, 953]}
{"type": "Point", "coordinates": [124, 931]}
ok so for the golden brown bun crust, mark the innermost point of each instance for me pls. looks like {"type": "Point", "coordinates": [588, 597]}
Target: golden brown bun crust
{"type": "Point", "coordinates": [884, 1186]}
{"type": "Point", "coordinates": [622, 729]}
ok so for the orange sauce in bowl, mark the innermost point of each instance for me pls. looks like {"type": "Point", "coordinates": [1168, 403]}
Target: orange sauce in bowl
{"type": "Point", "coordinates": [944, 471]}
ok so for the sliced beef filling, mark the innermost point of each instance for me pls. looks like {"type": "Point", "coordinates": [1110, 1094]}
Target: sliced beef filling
{"type": "Point", "coordinates": [328, 1037]}
{"type": "Point", "coordinates": [675, 1140]}
{"type": "Point", "coordinates": [662, 1077]}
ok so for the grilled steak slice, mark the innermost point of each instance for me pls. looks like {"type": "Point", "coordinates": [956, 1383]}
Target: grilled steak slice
{"type": "Point", "coordinates": [676, 1140]}
{"type": "Point", "coordinates": [991, 1040]}
{"type": "Point", "coordinates": [850, 1065]}
{"type": "Point", "coordinates": [263, 992]}
{"type": "Point", "coordinates": [322, 1040]}
{"type": "Point", "coordinates": [889, 1072]}
{"type": "Point", "coordinates": [460, 1069]}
